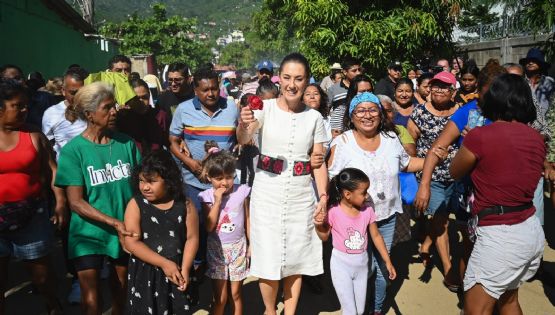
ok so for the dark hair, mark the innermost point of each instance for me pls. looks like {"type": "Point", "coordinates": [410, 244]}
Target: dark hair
{"type": "Point", "coordinates": [9, 66]}
{"type": "Point", "coordinates": [35, 81]}
{"type": "Point", "coordinates": [76, 73]}
{"type": "Point", "coordinates": [179, 67]}
{"type": "Point", "coordinates": [134, 76]}
{"type": "Point", "coordinates": [348, 179]}
{"type": "Point", "coordinates": [352, 92]}
{"type": "Point", "coordinates": [323, 108]}
{"type": "Point", "coordinates": [509, 98]}
{"type": "Point", "coordinates": [118, 58]}
{"type": "Point", "coordinates": [160, 162]}
{"type": "Point", "coordinates": [204, 74]}
{"type": "Point", "coordinates": [265, 85]}
{"type": "Point", "coordinates": [139, 82]}
{"type": "Point", "coordinates": [9, 89]}
{"type": "Point", "coordinates": [218, 164]}
{"type": "Point", "coordinates": [489, 72]}
{"type": "Point", "coordinates": [406, 81]}
{"type": "Point", "coordinates": [296, 58]}
{"type": "Point", "coordinates": [424, 76]}
{"type": "Point", "coordinates": [471, 69]}
{"type": "Point", "coordinates": [245, 99]}
{"type": "Point", "coordinates": [348, 62]}
{"type": "Point", "coordinates": [334, 72]}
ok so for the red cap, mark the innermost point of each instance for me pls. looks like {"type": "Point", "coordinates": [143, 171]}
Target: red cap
{"type": "Point", "coordinates": [445, 77]}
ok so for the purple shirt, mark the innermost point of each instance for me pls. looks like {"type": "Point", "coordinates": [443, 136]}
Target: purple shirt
{"type": "Point", "coordinates": [231, 221]}
{"type": "Point", "coordinates": [350, 234]}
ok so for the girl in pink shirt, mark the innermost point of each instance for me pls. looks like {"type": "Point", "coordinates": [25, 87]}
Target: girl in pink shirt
{"type": "Point", "coordinates": [349, 219]}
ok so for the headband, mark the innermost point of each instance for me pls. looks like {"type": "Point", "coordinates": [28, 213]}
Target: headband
{"type": "Point", "coordinates": [363, 98]}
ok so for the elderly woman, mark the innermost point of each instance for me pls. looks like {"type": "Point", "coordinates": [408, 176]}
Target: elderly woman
{"type": "Point", "coordinates": [505, 161]}
{"type": "Point", "coordinates": [372, 146]}
{"type": "Point", "coordinates": [453, 134]}
{"type": "Point", "coordinates": [26, 169]}
{"type": "Point", "coordinates": [284, 243]}
{"type": "Point", "coordinates": [95, 169]}
{"type": "Point", "coordinates": [426, 123]}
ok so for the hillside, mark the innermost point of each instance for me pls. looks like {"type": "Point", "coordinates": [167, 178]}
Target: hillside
{"type": "Point", "coordinates": [227, 14]}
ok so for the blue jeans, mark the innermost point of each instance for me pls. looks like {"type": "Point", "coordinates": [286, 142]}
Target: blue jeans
{"type": "Point", "coordinates": [192, 192]}
{"type": "Point", "coordinates": [387, 229]}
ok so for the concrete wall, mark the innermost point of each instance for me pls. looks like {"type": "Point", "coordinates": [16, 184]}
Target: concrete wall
{"type": "Point", "coordinates": [506, 49]}
{"type": "Point", "coordinates": [37, 39]}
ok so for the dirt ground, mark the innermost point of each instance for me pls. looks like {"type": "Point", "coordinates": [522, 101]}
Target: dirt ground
{"type": "Point", "coordinates": [416, 290]}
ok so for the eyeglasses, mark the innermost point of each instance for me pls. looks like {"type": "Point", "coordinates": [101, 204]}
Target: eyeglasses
{"type": "Point", "coordinates": [176, 80]}
{"type": "Point", "coordinates": [439, 89]}
{"type": "Point", "coordinates": [360, 113]}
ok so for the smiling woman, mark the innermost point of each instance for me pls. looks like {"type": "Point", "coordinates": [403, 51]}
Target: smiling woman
{"type": "Point", "coordinates": [283, 240]}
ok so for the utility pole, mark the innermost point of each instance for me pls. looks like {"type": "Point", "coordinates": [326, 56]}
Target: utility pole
{"type": "Point", "coordinates": [87, 10]}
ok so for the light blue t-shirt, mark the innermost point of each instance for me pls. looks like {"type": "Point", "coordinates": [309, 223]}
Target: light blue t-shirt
{"type": "Point", "coordinates": [460, 117]}
{"type": "Point", "coordinates": [193, 124]}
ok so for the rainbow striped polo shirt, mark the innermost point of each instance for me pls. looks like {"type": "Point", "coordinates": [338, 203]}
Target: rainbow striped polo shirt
{"type": "Point", "coordinates": [193, 124]}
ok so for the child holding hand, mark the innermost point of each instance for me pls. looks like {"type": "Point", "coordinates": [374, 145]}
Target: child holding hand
{"type": "Point", "coordinates": [166, 241]}
{"type": "Point", "coordinates": [349, 219]}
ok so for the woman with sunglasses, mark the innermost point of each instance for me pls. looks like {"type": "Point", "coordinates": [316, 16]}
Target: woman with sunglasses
{"type": "Point", "coordinates": [426, 123]}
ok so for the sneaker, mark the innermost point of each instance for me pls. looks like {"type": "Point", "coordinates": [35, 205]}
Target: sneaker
{"type": "Point", "coordinates": [74, 296]}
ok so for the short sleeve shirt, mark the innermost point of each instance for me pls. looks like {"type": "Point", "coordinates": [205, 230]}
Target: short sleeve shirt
{"type": "Point", "coordinates": [509, 165]}
{"type": "Point", "coordinates": [231, 221]}
{"type": "Point", "coordinates": [381, 166]}
{"type": "Point", "coordinates": [57, 128]}
{"type": "Point", "coordinates": [193, 124]}
{"type": "Point", "coordinates": [430, 127]}
{"type": "Point", "coordinates": [350, 233]}
{"type": "Point", "coordinates": [104, 172]}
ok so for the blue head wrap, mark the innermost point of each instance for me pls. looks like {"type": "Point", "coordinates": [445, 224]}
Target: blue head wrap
{"type": "Point", "coordinates": [362, 98]}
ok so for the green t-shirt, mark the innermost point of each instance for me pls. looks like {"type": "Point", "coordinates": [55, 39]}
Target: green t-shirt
{"type": "Point", "coordinates": [104, 171]}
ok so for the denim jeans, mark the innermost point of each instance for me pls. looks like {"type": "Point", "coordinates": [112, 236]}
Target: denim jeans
{"type": "Point", "coordinates": [387, 229]}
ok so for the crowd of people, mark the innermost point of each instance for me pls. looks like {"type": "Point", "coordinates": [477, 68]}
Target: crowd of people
{"type": "Point", "coordinates": [155, 185]}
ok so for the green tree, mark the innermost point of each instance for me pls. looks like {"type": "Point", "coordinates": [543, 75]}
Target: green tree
{"type": "Point", "coordinates": [238, 54]}
{"type": "Point", "coordinates": [373, 31]}
{"type": "Point", "coordinates": [165, 37]}
{"type": "Point", "coordinates": [478, 14]}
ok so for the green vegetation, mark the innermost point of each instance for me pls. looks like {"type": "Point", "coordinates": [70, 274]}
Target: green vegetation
{"type": "Point", "coordinates": [374, 31]}
{"type": "Point", "coordinates": [165, 37]}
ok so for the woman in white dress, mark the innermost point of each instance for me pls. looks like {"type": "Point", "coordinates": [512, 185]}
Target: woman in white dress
{"type": "Point", "coordinates": [284, 244]}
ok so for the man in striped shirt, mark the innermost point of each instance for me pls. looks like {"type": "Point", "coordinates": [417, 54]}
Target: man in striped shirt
{"type": "Point", "coordinates": [205, 117]}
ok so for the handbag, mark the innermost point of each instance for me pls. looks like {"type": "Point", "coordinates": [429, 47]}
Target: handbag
{"type": "Point", "coordinates": [409, 187]}
{"type": "Point", "coordinates": [15, 215]}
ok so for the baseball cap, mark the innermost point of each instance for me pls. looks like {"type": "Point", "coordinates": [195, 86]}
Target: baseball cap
{"type": "Point", "coordinates": [395, 65]}
{"type": "Point", "coordinates": [265, 64]}
{"type": "Point", "coordinates": [445, 77]}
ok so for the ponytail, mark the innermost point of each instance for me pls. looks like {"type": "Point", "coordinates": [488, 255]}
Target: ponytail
{"type": "Point", "coordinates": [348, 179]}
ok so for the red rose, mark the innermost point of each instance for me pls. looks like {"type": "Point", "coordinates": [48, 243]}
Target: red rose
{"type": "Point", "coordinates": [266, 162]}
{"type": "Point", "coordinates": [308, 168]}
{"type": "Point", "coordinates": [255, 102]}
{"type": "Point", "coordinates": [278, 166]}
{"type": "Point", "coordinates": [298, 168]}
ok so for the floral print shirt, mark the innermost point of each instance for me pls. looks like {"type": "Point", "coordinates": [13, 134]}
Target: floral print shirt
{"type": "Point", "coordinates": [430, 127]}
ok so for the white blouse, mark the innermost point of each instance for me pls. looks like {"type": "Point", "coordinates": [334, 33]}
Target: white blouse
{"type": "Point", "coordinates": [381, 166]}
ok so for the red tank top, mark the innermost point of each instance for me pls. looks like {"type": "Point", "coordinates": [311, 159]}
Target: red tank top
{"type": "Point", "coordinates": [20, 171]}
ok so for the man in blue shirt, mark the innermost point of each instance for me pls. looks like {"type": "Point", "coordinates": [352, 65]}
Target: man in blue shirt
{"type": "Point", "coordinates": [205, 117]}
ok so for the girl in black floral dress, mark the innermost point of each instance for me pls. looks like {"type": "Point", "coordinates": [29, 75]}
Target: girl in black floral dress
{"type": "Point", "coordinates": [165, 240]}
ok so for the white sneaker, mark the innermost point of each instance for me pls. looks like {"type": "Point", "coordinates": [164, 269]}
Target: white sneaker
{"type": "Point", "coordinates": [74, 296]}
